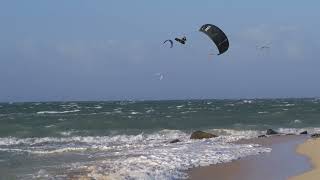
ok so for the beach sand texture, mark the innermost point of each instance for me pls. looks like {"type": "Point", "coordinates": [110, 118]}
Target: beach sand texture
{"type": "Point", "coordinates": [280, 164]}
{"type": "Point", "coordinates": [311, 149]}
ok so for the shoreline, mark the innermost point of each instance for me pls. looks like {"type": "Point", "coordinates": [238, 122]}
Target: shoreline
{"type": "Point", "coordinates": [310, 149]}
{"type": "Point", "coordinates": [281, 163]}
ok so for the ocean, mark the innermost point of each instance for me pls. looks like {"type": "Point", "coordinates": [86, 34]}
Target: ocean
{"type": "Point", "coordinates": [130, 139]}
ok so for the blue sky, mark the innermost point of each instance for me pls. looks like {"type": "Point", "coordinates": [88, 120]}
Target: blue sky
{"type": "Point", "coordinates": [108, 50]}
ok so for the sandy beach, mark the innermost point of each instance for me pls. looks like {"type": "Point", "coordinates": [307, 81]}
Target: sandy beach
{"type": "Point", "coordinates": [310, 149]}
{"type": "Point", "coordinates": [281, 163]}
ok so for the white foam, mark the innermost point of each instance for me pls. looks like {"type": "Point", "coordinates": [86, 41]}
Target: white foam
{"type": "Point", "coordinates": [170, 161]}
{"type": "Point", "coordinates": [143, 156]}
{"type": "Point", "coordinates": [150, 110]}
{"type": "Point", "coordinates": [42, 174]}
{"type": "Point", "coordinates": [61, 150]}
{"type": "Point", "coordinates": [66, 133]}
{"type": "Point", "coordinates": [297, 121]}
{"type": "Point", "coordinates": [57, 112]}
{"type": "Point", "coordinates": [98, 107]}
{"type": "Point", "coordinates": [71, 105]}
{"type": "Point", "coordinates": [95, 107]}
{"type": "Point", "coordinates": [231, 135]}
{"type": "Point", "coordinates": [187, 112]}
{"type": "Point", "coordinates": [117, 110]}
{"type": "Point", "coordinates": [247, 101]}
{"type": "Point", "coordinates": [288, 105]}
{"type": "Point", "coordinates": [263, 112]}
{"type": "Point", "coordinates": [180, 106]}
{"type": "Point", "coordinates": [310, 130]}
{"type": "Point", "coordinates": [50, 126]}
{"type": "Point", "coordinates": [160, 136]}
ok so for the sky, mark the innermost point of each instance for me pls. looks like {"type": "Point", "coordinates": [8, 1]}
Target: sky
{"type": "Point", "coordinates": [79, 50]}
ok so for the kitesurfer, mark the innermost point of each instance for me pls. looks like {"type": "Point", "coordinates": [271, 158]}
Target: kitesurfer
{"type": "Point", "coordinates": [182, 40]}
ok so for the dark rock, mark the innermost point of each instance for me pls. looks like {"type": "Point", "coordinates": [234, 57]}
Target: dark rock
{"type": "Point", "coordinates": [304, 132]}
{"type": "Point", "coordinates": [262, 136]}
{"type": "Point", "coordinates": [271, 132]}
{"type": "Point", "coordinates": [175, 141]}
{"type": "Point", "coordinates": [315, 135]}
{"type": "Point", "coordinates": [202, 135]}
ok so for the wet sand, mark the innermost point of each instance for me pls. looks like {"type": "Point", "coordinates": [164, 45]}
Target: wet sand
{"type": "Point", "coordinates": [311, 149]}
{"type": "Point", "coordinates": [281, 163]}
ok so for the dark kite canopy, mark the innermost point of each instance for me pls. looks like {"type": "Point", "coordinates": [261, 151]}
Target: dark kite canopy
{"type": "Point", "coordinates": [170, 41]}
{"type": "Point", "coordinates": [217, 36]}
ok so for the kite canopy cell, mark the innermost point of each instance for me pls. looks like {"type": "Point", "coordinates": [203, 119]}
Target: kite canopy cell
{"type": "Point", "coordinates": [217, 36]}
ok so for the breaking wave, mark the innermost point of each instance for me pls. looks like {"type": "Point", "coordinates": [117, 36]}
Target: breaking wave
{"type": "Point", "coordinates": [58, 112]}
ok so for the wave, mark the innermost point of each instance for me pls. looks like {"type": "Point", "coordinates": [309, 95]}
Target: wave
{"type": "Point", "coordinates": [162, 136]}
{"type": "Point", "coordinates": [180, 106]}
{"type": "Point", "coordinates": [97, 107]}
{"type": "Point", "coordinates": [297, 121]}
{"type": "Point", "coordinates": [170, 161]}
{"type": "Point", "coordinates": [50, 126]}
{"type": "Point", "coordinates": [62, 150]}
{"type": "Point", "coordinates": [263, 112]}
{"type": "Point", "coordinates": [143, 156]}
{"type": "Point", "coordinates": [247, 101]}
{"type": "Point", "coordinates": [94, 107]}
{"type": "Point", "coordinates": [58, 112]}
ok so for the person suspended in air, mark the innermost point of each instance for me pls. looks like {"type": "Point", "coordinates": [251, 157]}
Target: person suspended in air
{"type": "Point", "coordinates": [182, 40]}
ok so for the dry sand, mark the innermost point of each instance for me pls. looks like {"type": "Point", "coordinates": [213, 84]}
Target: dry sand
{"type": "Point", "coordinates": [311, 149]}
{"type": "Point", "coordinates": [280, 164]}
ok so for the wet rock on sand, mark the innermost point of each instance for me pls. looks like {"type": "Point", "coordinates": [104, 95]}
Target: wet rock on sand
{"type": "Point", "coordinates": [175, 141]}
{"type": "Point", "coordinates": [304, 132]}
{"type": "Point", "coordinates": [202, 135]}
{"type": "Point", "coordinates": [315, 135]}
{"type": "Point", "coordinates": [262, 136]}
{"type": "Point", "coordinates": [271, 132]}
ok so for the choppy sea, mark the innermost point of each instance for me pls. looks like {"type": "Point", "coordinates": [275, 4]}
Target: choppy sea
{"type": "Point", "coordinates": [130, 139]}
